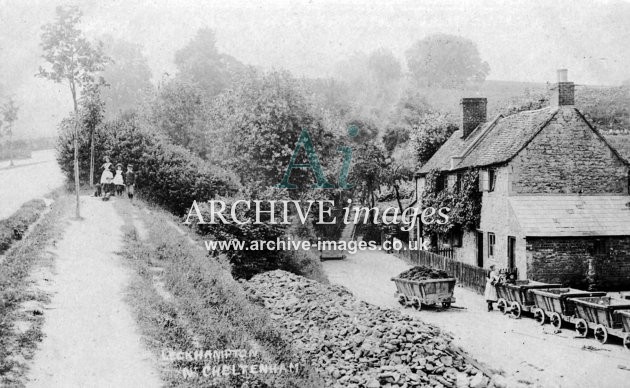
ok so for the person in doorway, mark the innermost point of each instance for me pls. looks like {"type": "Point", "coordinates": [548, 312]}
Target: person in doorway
{"type": "Point", "coordinates": [119, 183]}
{"type": "Point", "coordinates": [130, 181]}
{"type": "Point", "coordinates": [491, 292]}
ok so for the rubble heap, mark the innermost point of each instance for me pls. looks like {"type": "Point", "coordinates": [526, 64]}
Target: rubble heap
{"type": "Point", "coordinates": [355, 344]}
{"type": "Point", "coordinates": [423, 273]}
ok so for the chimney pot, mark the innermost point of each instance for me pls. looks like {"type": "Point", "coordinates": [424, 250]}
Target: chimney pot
{"type": "Point", "coordinates": [474, 111]}
{"type": "Point", "coordinates": [563, 75]}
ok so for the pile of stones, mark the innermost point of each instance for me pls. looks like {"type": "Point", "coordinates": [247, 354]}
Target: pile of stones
{"type": "Point", "coordinates": [356, 344]}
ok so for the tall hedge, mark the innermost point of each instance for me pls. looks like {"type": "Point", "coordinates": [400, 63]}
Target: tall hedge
{"type": "Point", "coordinates": [167, 174]}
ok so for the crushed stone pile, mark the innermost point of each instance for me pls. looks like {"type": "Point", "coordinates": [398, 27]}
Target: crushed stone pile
{"type": "Point", "coordinates": [356, 344]}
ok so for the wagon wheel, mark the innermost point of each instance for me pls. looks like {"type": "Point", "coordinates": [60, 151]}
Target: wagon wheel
{"type": "Point", "coordinates": [626, 341]}
{"type": "Point", "coordinates": [402, 299]}
{"type": "Point", "coordinates": [416, 304]}
{"type": "Point", "coordinates": [516, 310]}
{"type": "Point", "coordinates": [540, 316]}
{"type": "Point", "coordinates": [581, 328]}
{"type": "Point", "coordinates": [556, 320]}
{"type": "Point", "coordinates": [501, 304]}
{"type": "Point", "coordinates": [446, 304]}
{"type": "Point", "coordinates": [601, 334]}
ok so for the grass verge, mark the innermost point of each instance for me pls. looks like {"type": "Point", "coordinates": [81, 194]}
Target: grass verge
{"type": "Point", "coordinates": [185, 300]}
{"type": "Point", "coordinates": [13, 227]}
{"type": "Point", "coordinates": [20, 304]}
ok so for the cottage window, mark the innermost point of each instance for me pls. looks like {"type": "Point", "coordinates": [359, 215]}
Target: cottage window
{"type": "Point", "coordinates": [459, 181]}
{"type": "Point", "coordinates": [456, 237]}
{"type": "Point", "coordinates": [491, 242]}
{"type": "Point", "coordinates": [492, 179]}
{"type": "Point", "coordinates": [511, 252]}
{"type": "Point", "coordinates": [440, 183]}
{"type": "Point", "coordinates": [600, 247]}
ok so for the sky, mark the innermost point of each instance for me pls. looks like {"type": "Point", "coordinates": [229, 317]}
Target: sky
{"type": "Point", "coordinates": [521, 40]}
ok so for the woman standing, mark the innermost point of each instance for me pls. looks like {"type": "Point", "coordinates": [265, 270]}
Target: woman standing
{"type": "Point", "coordinates": [491, 292]}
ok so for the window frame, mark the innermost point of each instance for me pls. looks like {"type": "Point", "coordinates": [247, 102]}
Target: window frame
{"type": "Point", "coordinates": [492, 240]}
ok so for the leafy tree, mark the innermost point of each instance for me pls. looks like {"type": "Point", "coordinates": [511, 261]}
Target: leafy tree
{"type": "Point", "coordinates": [254, 129]}
{"type": "Point", "coordinates": [447, 61]}
{"type": "Point", "coordinates": [432, 130]}
{"type": "Point", "coordinates": [178, 110]}
{"type": "Point", "coordinates": [128, 76]}
{"type": "Point", "coordinates": [9, 116]}
{"type": "Point", "coordinates": [395, 136]}
{"type": "Point", "coordinates": [201, 63]}
{"type": "Point", "coordinates": [70, 58]}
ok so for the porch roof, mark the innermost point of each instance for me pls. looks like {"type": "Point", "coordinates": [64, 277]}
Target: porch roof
{"type": "Point", "coordinates": [572, 215]}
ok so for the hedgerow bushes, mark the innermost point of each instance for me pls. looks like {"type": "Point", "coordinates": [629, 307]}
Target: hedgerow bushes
{"type": "Point", "coordinates": [166, 174]}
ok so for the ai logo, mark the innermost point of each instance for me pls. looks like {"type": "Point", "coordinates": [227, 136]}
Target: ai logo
{"type": "Point", "coordinates": [313, 163]}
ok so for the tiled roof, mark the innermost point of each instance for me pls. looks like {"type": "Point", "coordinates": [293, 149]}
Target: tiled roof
{"type": "Point", "coordinates": [491, 143]}
{"type": "Point", "coordinates": [566, 215]}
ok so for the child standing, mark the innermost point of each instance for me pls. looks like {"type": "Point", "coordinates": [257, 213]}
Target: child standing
{"type": "Point", "coordinates": [130, 181]}
{"type": "Point", "coordinates": [106, 183]}
{"type": "Point", "coordinates": [118, 180]}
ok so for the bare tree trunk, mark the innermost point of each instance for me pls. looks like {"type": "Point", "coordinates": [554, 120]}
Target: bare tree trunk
{"type": "Point", "coordinates": [76, 150]}
{"type": "Point", "coordinates": [10, 146]}
{"type": "Point", "coordinates": [92, 158]}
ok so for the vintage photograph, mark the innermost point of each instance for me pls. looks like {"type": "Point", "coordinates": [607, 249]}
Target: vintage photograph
{"type": "Point", "coordinates": [314, 193]}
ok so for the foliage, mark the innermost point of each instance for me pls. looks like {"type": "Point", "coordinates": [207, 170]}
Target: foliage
{"type": "Point", "coordinates": [428, 135]}
{"type": "Point", "coordinates": [128, 76]}
{"type": "Point", "coordinates": [167, 174]}
{"type": "Point", "coordinates": [607, 107]}
{"type": "Point", "coordinates": [464, 202]}
{"type": "Point", "coordinates": [178, 110]}
{"type": "Point", "coordinates": [255, 128]}
{"type": "Point", "coordinates": [71, 58]}
{"type": "Point", "coordinates": [395, 136]}
{"type": "Point", "coordinates": [447, 61]}
{"type": "Point", "coordinates": [9, 112]}
{"type": "Point", "coordinates": [200, 63]}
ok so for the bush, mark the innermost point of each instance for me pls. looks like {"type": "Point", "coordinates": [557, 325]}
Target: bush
{"type": "Point", "coordinates": [13, 228]}
{"type": "Point", "coordinates": [166, 174]}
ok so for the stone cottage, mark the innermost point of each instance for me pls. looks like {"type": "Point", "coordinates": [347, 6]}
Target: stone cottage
{"type": "Point", "coordinates": [555, 203]}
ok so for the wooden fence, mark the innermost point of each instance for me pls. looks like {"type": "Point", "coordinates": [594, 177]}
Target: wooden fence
{"type": "Point", "coordinates": [467, 275]}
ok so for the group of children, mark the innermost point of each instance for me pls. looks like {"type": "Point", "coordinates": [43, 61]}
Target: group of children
{"type": "Point", "coordinates": [117, 184]}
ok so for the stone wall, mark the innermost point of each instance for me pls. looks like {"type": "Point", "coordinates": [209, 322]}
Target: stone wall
{"type": "Point", "coordinates": [565, 260]}
{"type": "Point", "coordinates": [567, 157]}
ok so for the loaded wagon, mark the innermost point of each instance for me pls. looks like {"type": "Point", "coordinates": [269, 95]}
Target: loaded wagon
{"type": "Point", "coordinates": [556, 304]}
{"type": "Point", "coordinates": [515, 298]}
{"type": "Point", "coordinates": [428, 292]}
{"type": "Point", "coordinates": [604, 315]}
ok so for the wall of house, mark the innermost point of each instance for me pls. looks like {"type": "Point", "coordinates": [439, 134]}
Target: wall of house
{"type": "Point", "coordinates": [567, 157]}
{"type": "Point", "coordinates": [566, 260]}
{"type": "Point", "coordinates": [467, 253]}
{"type": "Point", "coordinates": [497, 217]}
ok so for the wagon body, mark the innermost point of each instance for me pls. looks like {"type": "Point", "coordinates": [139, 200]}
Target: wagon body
{"type": "Point", "coordinates": [600, 310]}
{"type": "Point", "coordinates": [624, 316]}
{"type": "Point", "coordinates": [428, 292]}
{"type": "Point", "coordinates": [557, 300]}
{"type": "Point", "coordinates": [518, 292]}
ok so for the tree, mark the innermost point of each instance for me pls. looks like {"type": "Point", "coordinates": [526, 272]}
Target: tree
{"type": "Point", "coordinates": [9, 116]}
{"type": "Point", "coordinates": [429, 135]}
{"type": "Point", "coordinates": [70, 58]}
{"type": "Point", "coordinates": [128, 76]}
{"type": "Point", "coordinates": [201, 63]}
{"type": "Point", "coordinates": [447, 61]}
{"type": "Point", "coordinates": [92, 113]}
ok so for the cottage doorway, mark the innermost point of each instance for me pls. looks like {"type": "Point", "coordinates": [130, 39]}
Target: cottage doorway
{"type": "Point", "coordinates": [480, 249]}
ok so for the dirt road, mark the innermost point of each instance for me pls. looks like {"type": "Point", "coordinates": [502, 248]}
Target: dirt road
{"type": "Point", "coordinates": [91, 338]}
{"type": "Point", "coordinates": [522, 348]}
{"type": "Point", "coordinates": [28, 179]}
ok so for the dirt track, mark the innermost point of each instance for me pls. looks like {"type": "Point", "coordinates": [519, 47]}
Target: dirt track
{"type": "Point", "coordinates": [91, 338]}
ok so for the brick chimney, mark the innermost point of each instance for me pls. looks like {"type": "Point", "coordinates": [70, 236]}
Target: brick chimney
{"type": "Point", "coordinates": [474, 112]}
{"type": "Point", "coordinates": [564, 91]}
